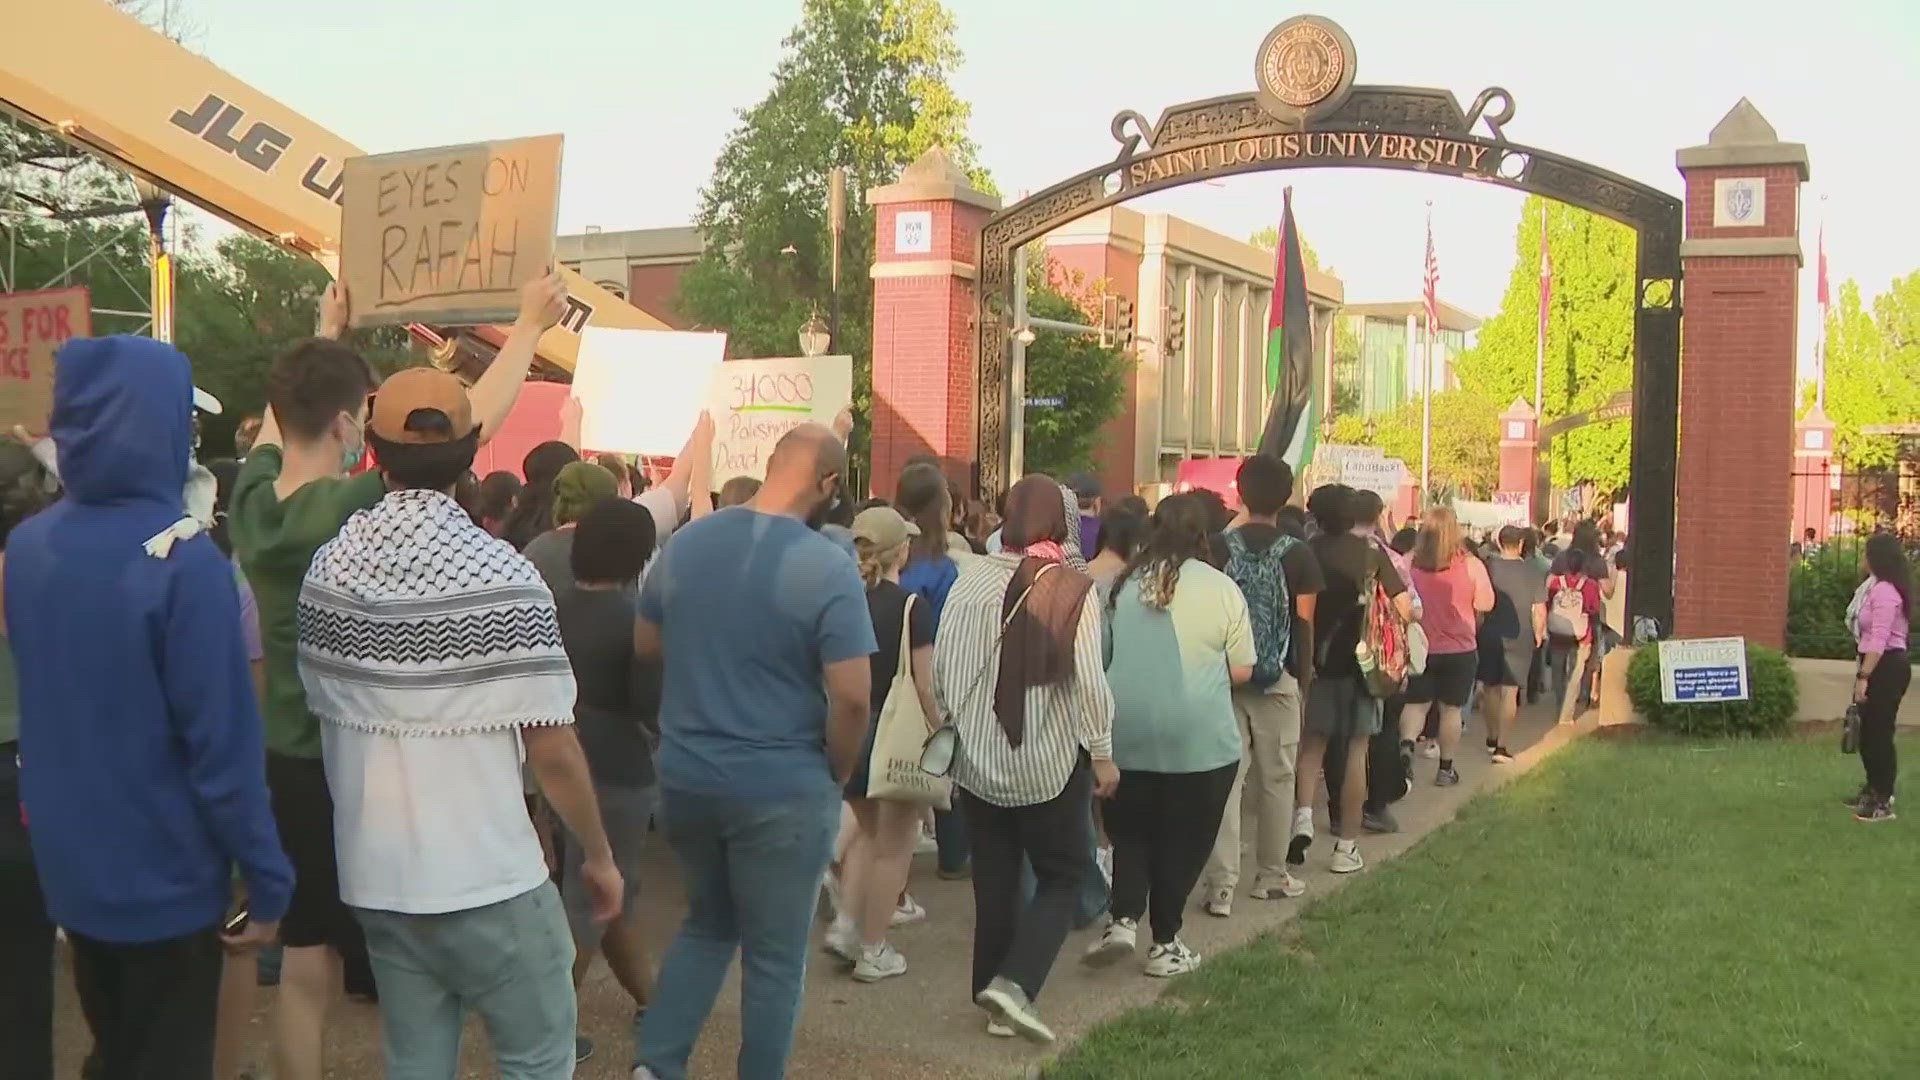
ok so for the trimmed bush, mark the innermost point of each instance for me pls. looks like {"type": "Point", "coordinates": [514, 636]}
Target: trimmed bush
{"type": "Point", "coordinates": [1773, 698]}
{"type": "Point", "coordinates": [1818, 591]}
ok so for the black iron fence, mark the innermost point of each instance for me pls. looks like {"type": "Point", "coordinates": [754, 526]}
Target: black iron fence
{"type": "Point", "coordinates": [1835, 510]}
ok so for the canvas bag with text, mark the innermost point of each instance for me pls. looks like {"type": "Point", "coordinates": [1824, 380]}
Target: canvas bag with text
{"type": "Point", "coordinates": [893, 770]}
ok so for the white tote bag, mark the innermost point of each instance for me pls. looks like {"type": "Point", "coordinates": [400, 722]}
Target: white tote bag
{"type": "Point", "coordinates": [894, 772]}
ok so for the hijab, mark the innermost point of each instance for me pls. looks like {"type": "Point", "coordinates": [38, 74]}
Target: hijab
{"type": "Point", "coordinates": [1041, 607]}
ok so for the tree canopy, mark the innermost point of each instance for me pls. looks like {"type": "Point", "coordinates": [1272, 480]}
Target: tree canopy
{"type": "Point", "coordinates": [1466, 447]}
{"type": "Point", "coordinates": [1589, 354]}
{"type": "Point", "coordinates": [1873, 369]}
{"type": "Point", "coordinates": [862, 85]}
{"type": "Point", "coordinates": [1269, 238]}
{"type": "Point", "coordinates": [1087, 380]}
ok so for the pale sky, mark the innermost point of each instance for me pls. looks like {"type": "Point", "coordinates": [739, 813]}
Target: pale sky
{"type": "Point", "coordinates": [645, 93]}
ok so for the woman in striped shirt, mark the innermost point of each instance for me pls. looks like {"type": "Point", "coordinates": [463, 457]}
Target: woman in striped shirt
{"type": "Point", "coordinates": [1017, 667]}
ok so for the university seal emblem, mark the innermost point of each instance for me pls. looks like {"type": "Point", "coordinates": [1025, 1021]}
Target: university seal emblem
{"type": "Point", "coordinates": [1304, 68]}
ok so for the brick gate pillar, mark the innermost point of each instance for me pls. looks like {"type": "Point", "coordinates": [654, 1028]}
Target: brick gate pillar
{"type": "Point", "coordinates": [926, 230]}
{"type": "Point", "coordinates": [1519, 438]}
{"type": "Point", "coordinates": [1813, 475]}
{"type": "Point", "coordinates": [1741, 271]}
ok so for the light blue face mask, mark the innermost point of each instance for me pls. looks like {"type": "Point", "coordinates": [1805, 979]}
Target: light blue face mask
{"type": "Point", "coordinates": [350, 454]}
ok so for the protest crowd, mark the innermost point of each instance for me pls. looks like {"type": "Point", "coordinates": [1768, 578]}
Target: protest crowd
{"type": "Point", "coordinates": [424, 724]}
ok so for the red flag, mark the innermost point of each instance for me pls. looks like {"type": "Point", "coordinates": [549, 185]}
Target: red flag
{"type": "Point", "coordinates": [1433, 280]}
{"type": "Point", "coordinates": [1546, 274]}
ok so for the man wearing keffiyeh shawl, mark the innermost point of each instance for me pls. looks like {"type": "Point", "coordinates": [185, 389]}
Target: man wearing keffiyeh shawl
{"type": "Point", "coordinates": [432, 655]}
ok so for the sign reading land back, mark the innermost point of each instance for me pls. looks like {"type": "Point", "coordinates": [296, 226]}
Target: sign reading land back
{"type": "Point", "coordinates": [448, 235]}
{"type": "Point", "coordinates": [33, 326]}
{"type": "Point", "coordinates": [1703, 669]}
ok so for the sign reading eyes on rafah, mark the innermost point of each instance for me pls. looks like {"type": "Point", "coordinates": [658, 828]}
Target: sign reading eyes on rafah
{"type": "Point", "coordinates": [448, 235]}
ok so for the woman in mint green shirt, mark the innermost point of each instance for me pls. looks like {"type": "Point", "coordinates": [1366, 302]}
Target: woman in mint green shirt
{"type": "Point", "coordinates": [1181, 640]}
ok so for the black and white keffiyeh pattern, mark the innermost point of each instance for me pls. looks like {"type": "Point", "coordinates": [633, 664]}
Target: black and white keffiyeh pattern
{"type": "Point", "coordinates": [415, 621]}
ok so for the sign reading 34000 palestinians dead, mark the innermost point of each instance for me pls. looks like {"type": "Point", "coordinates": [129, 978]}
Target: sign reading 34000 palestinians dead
{"type": "Point", "coordinates": [1453, 155]}
{"type": "Point", "coordinates": [448, 235]}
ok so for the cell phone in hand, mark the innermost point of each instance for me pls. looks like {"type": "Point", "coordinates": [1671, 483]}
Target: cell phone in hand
{"type": "Point", "coordinates": [237, 921]}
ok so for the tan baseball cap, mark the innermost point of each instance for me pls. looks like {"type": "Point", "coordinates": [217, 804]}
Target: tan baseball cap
{"type": "Point", "coordinates": [883, 527]}
{"type": "Point", "coordinates": [404, 405]}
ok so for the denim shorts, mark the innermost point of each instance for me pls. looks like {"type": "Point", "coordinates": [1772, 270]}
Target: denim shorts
{"type": "Point", "coordinates": [626, 814]}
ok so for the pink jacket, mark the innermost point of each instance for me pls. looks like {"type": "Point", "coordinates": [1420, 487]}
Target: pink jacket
{"type": "Point", "coordinates": [1883, 619]}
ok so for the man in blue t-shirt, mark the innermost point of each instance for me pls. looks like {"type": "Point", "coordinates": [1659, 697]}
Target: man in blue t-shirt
{"type": "Point", "coordinates": [762, 628]}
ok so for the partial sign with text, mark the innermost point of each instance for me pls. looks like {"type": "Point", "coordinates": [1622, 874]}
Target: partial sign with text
{"type": "Point", "coordinates": [1703, 669]}
{"type": "Point", "coordinates": [448, 236]}
{"type": "Point", "coordinates": [33, 326]}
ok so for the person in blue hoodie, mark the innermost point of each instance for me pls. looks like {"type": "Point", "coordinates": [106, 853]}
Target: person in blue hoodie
{"type": "Point", "coordinates": [142, 759]}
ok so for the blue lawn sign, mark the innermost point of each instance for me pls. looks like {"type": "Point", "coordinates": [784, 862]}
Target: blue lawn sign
{"type": "Point", "coordinates": [1703, 669]}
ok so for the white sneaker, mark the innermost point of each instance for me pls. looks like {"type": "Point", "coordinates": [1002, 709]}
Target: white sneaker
{"type": "Point", "coordinates": [842, 939]}
{"type": "Point", "coordinates": [1173, 958]}
{"type": "Point", "coordinates": [1346, 857]}
{"type": "Point", "coordinates": [1118, 940]}
{"type": "Point", "coordinates": [928, 844]}
{"type": "Point", "coordinates": [1220, 902]}
{"type": "Point", "coordinates": [1302, 835]}
{"type": "Point", "coordinates": [879, 963]}
{"type": "Point", "coordinates": [909, 911]}
{"type": "Point", "coordinates": [1286, 885]}
{"type": "Point", "coordinates": [1429, 749]}
{"type": "Point", "coordinates": [998, 1030]}
{"type": "Point", "coordinates": [641, 1072]}
{"type": "Point", "coordinates": [1007, 1003]}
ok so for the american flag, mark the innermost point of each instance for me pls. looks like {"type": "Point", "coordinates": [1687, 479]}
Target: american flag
{"type": "Point", "coordinates": [1433, 278]}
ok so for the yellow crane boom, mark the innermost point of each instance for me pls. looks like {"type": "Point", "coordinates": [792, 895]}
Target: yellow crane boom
{"type": "Point", "coordinates": [104, 81]}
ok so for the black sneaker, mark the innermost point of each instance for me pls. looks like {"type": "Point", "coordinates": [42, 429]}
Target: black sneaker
{"type": "Point", "coordinates": [1875, 809]}
{"type": "Point", "coordinates": [1379, 821]}
{"type": "Point", "coordinates": [1853, 801]}
{"type": "Point", "coordinates": [582, 1048]}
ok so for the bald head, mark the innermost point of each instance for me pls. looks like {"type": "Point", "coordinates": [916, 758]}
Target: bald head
{"type": "Point", "coordinates": [806, 455]}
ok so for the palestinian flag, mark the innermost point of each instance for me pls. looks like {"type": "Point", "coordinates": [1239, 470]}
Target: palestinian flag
{"type": "Point", "coordinates": [1293, 421]}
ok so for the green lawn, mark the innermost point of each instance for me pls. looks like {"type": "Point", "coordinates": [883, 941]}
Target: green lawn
{"type": "Point", "coordinates": [1644, 909]}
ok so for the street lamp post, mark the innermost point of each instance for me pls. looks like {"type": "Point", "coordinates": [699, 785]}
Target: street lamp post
{"type": "Point", "coordinates": [814, 336]}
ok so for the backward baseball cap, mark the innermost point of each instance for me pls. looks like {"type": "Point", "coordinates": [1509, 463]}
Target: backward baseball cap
{"type": "Point", "coordinates": [404, 408]}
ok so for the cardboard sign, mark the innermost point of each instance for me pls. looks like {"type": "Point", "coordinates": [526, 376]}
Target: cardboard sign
{"type": "Point", "coordinates": [1381, 475]}
{"type": "Point", "coordinates": [755, 402]}
{"type": "Point", "coordinates": [1703, 669]}
{"type": "Point", "coordinates": [640, 391]}
{"type": "Point", "coordinates": [33, 326]}
{"type": "Point", "coordinates": [448, 235]}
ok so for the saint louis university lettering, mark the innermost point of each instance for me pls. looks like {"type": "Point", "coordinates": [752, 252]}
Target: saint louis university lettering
{"type": "Point", "coordinates": [1336, 147]}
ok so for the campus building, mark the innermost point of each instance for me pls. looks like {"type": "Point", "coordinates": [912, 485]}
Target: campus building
{"type": "Point", "coordinates": [1201, 301]}
{"type": "Point", "coordinates": [640, 266]}
{"type": "Point", "coordinates": [1380, 369]}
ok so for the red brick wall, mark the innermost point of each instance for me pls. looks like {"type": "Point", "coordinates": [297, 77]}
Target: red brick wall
{"type": "Point", "coordinates": [1734, 512]}
{"type": "Point", "coordinates": [653, 289]}
{"type": "Point", "coordinates": [923, 348]}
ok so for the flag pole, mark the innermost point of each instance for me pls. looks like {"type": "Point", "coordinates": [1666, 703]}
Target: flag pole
{"type": "Point", "coordinates": [1540, 342]}
{"type": "Point", "coordinates": [1426, 376]}
{"type": "Point", "coordinates": [1820, 373]}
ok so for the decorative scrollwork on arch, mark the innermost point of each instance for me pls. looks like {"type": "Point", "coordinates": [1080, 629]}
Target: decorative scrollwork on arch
{"type": "Point", "coordinates": [1496, 121]}
{"type": "Point", "coordinates": [1657, 293]}
{"type": "Point", "coordinates": [1140, 139]}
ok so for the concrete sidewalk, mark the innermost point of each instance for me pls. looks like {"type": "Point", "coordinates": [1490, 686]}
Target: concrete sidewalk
{"type": "Point", "coordinates": [922, 1024]}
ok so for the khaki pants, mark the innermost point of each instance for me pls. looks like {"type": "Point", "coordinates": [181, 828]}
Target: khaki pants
{"type": "Point", "coordinates": [1269, 740]}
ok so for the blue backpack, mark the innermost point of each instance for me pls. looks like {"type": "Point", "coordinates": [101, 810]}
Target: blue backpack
{"type": "Point", "coordinates": [1263, 580]}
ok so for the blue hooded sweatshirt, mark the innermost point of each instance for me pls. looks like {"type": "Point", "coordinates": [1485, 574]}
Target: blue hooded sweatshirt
{"type": "Point", "coordinates": [143, 769]}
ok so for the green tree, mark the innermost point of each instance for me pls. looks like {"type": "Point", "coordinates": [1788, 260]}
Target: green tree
{"type": "Point", "coordinates": [1873, 369]}
{"type": "Point", "coordinates": [862, 85]}
{"type": "Point", "coordinates": [1589, 354]}
{"type": "Point", "coordinates": [1088, 381]}
{"type": "Point", "coordinates": [1466, 451]}
{"type": "Point", "coordinates": [1269, 238]}
{"type": "Point", "coordinates": [240, 305]}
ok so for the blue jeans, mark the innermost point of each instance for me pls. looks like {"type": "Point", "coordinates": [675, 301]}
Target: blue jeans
{"type": "Point", "coordinates": [1092, 900]}
{"type": "Point", "coordinates": [752, 870]}
{"type": "Point", "coordinates": [511, 962]}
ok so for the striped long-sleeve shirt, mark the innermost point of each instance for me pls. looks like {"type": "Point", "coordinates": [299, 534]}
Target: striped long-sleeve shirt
{"type": "Point", "coordinates": [1062, 718]}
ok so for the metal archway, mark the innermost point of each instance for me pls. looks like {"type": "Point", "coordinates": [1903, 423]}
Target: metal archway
{"type": "Point", "coordinates": [1383, 127]}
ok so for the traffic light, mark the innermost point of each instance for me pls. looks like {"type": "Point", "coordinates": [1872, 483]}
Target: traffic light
{"type": "Point", "coordinates": [1116, 322]}
{"type": "Point", "coordinates": [1176, 323]}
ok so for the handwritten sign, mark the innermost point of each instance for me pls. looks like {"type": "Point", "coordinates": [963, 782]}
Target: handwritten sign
{"type": "Point", "coordinates": [640, 391]}
{"type": "Point", "coordinates": [1381, 475]}
{"type": "Point", "coordinates": [33, 326]}
{"type": "Point", "coordinates": [1703, 669]}
{"type": "Point", "coordinates": [448, 235]}
{"type": "Point", "coordinates": [755, 402]}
